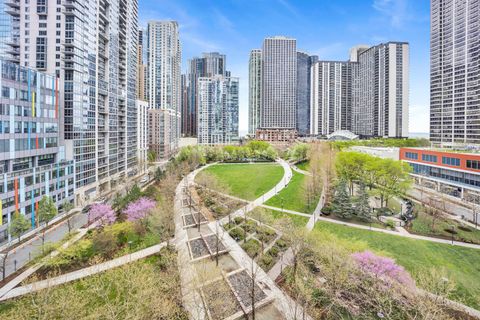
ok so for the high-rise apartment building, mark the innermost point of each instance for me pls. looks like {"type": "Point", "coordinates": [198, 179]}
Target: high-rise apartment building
{"type": "Point", "coordinates": [304, 64]}
{"type": "Point", "coordinates": [254, 91]}
{"type": "Point", "coordinates": [32, 160]}
{"type": "Point", "coordinates": [209, 65]}
{"type": "Point", "coordinates": [92, 50]}
{"type": "Point", "coordinates": [218, 108]}
{"type": "Point", "coordinates": [278, 112]}
{"type": "Point", "coordinates": [142, 65]}
{"type": "Point", "coordinates": [454, 72]}
{"type": "Point", "coordinates": [10, 30]}
{"type": "Point", "coordinates": [331, 97]}
{"type": "Point", "coordinates": [164, 86]}
{"type": "Point", "coordinates": [142, 134]}
{"type": "Point", "coordinates": [381, 91]}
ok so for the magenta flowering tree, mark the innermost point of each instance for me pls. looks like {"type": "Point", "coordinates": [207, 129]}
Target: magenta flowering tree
{"type": "Point", "coordinates": [383, 268]}
{"type": "Point", "coordinates": [102, 212]}
{"type": "Point", "coordinates": [139, 209]}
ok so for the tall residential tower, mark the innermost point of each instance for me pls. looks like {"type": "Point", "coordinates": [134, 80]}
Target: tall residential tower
{"type": "Point", "coordinates": [454, 72]}
{"type": "Point", "coordinates": [164, 87]}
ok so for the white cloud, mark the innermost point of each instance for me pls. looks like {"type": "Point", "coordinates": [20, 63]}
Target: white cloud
{"type": "Point", "coordinates": [395, 10]}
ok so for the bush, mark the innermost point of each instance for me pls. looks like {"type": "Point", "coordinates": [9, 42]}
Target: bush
{"type": "Point", "coordinates": [265, 234]}
{"type": "Point", "coordinates": [238, 220]}
{"type": "Point", "coordinates": [281, 243]}
{"type": "Point", "coordinates": [251, 247]}
{"type": "Point", "coordinates": [77, 253]}
{"type": "Point", "coordinates": [390, 224]}
{"type": "Point", "coordinates": [104, 244]}
{"type": "Point", "coordinates": [274, 251]}
{"type": "Point", "coordinates": [327, 210]}
{"type": "Point", "coordinates": [237, 234]}
{"type": "Point", "coordinates": [266, 262]}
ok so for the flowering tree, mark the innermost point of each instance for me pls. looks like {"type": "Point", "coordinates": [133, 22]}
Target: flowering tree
{"type": "Point", "coordinates": [102, 212]}
{"type": "Point", "coordinates": [383, 268]}
{"type": "Point", "coordinates": [139, 209]}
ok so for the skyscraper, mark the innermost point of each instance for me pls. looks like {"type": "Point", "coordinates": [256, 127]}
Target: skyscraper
{"type": "Point", "coordinates": [164, 85]}
{"type": "Point", "coordinates": [304, 64]}
{"type": "Point", "coordinates": [454, 72]}
{"type": "Point", "coordinates": [92, 50]}
{"type": "Point", "coordinates": [142, 65]}
{"type": "Point", "coordinates": [254, 90]}
{"type": "Point", "coordinates": [279, 89]}
{"type": "Point", "coordinates": [331, 96]}
{"type": "Point", "coordinates": [209, 65]}
{"type": "Point", "coordinates": [217, 110]}
{"type": "Point", "coordinates": [381, 91]}
{"type": "Point", "coordinates": [10, 31]}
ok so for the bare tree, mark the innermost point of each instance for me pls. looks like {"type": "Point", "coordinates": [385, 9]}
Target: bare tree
{"type": "Point", "coordinates": [3, 265]}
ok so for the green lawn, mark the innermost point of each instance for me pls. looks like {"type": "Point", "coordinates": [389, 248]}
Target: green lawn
{"type": "Point", "coordinates": [304, 165]}
{"type": "Point", "coordinates": [294, 196]}
{"type": "Point", "coordinates": [246, 181]}
{"type": "Point", "coordinates": [461, 264]}
{"type": "Point", "coordinates": [422, 225]}
{"type": "Point", "coordinates": [297, 220]}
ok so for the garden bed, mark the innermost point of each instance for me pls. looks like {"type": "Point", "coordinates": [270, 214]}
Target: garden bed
{"type": "Point", "coordinates": [220, 300]}
{"type": "Point", "coordinates": [242, 284]}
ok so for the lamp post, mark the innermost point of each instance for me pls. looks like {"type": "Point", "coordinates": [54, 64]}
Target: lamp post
{"type": "Point", "coordinates": [453, 231]}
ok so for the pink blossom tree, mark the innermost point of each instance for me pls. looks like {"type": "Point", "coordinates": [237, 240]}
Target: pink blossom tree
{"type": "Point", "coordinates": [383, 268]}
{"type": "Point", "coordinates": [102, 212]}
{"type": "Point", "coordinates": [139, 209]}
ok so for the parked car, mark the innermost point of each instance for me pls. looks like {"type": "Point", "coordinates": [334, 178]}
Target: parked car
{"type": "Point", "coordinates": [86, 209]}
{"type": "Point", "coordinates": [144, 180]}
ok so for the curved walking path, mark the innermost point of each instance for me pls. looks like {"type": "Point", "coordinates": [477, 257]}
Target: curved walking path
{"type": "Point", "coordinates": [192, 297]}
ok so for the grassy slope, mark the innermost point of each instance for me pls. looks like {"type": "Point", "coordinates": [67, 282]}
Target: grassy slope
{"type": "Point", "coordinates": [297, 220]}
{"type": "Point", "coordinates": [293, 196]}
{"type": "Point", "coordinates": [304, 165]}
{"type": "Point", "coordinates": [246, 181]}
{"type": "Point", "coordinates": [461, 264]}
{"type": "Point", "coordinates": [423, 225]}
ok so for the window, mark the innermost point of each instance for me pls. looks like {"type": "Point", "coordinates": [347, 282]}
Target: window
{"type": "Point", "coordinates": [473, 164]}
{"type": "Point", "coordinates": [429, 158]}
{"type": "Point", "coordinates": [451, 161]}
{"type": "Point", "coordinates": [411, 155]}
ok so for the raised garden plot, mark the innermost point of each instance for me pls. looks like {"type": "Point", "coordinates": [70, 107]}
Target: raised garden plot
{"type": "Point", "coordinates": [242, 284]}
{"type": "Point", "coordinates": [220, 300]}
{"type": "Point", "coordinates": [198, 248]}
{"type": "Point", "coordinates": [212, 243]}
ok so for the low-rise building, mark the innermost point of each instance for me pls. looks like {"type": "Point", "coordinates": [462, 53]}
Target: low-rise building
{"type": "Point", "coordinates": [453, 173]}
{"type": "Point", "coordinates": [32, 158]}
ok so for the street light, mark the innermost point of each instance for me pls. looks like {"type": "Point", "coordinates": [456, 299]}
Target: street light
{"type": "Point", "coordinates": [453, 231]}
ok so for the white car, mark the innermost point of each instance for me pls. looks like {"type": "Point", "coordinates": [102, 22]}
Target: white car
{"type": "Point", "coordinates": [144, 180]}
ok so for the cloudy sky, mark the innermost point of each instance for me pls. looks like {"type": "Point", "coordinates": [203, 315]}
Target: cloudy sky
{"type": "Point", "coordinates": [327, 28]}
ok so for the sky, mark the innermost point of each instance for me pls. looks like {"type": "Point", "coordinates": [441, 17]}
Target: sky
{"type": "Point", "coordinates": [327, 28]}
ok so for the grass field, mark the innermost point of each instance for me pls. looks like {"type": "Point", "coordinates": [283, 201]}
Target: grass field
{"type": "Point", "coordinates": [246, 181]}
{"type": "Point", "coordinates": [462, 265]}
{"type": "Point", "coordinates": [294, 196]}
{"type": "Point", "coordinates": [297, 220]}
{"type": "Point", "coordinates": [304, 165]}
{"type": "Point", "coordinates": [422, 225]}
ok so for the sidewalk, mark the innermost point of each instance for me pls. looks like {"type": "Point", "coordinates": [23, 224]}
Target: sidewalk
{"type": "Point", "coordinates": [82, 273]}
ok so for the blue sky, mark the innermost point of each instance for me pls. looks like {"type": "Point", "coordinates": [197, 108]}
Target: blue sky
{"type": "Point", "coordinates": [327, 28]}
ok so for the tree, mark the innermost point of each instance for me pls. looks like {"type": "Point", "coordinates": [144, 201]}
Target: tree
{"type": "Point", "coordinates": [298, 152]}
{"type": "Point", "coordinates": [46, 210]}
{"type": "Point", "coordinates": [140, 209]}
{"type": "Point", "coordinates": [393, 179]}
{"type": "Point", "coordinates": [151, 156]}
{"type": "Point", "coordinates": [3, 266]}
{"type": "Point", "coordinates": [18, 225]}
{"type": "Point", "coordinates": [362, 205]}
{"type": "Point", "coordinates": [350, 166]}
{"type": "Point", "coordinates": [67, 207]}
{"type": "Point", "coordinates": [102, 212]}
{"type": "Point", "coordinates": [341, 204]}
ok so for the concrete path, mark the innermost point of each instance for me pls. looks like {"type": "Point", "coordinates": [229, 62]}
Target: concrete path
{"type": "Point", "coordinates": [192, 299]}
{"type": "Point", "coordinates": [287, 211]}
{"type": "Point", "coordinates": [82, 273]}
{"type": "Point", "coordinates": [296, 169]}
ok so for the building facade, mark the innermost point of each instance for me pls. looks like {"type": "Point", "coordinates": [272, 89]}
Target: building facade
{"type": "Point", "coordinates": [32, 161]}
{"type": "Point", "coordinates": [381, 91]}
{"type": "Point", "coordinates": [142, 134]}
{"type": "Point", "coordinates": [164, 86]}
{"type": "Point", "coordinates": [331, 97]}
{"type": "Point", "coordinates": [454, 73]}
{"type": "Point", "coordinates": [218, 108]}
{"type": "Point", "coordinates": [452, 173]}
{"type": "Point", "coordinates": [92, 49]}
{"type": "Point", "coordinates": [279, 84]}
{"type": "Point", "coordinates": [209, 65]}
{"type": "Point", "coordinates": [10, 31]}
{"type": "Point", "coordinates": [254, 90]}
{"type": "Point", "coordinates": [304, 65]}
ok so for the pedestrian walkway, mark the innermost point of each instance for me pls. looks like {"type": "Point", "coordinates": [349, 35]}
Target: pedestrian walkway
{"type": "Point", "coordinates": [82, 273]}
{"type": "Point", "coordinates": [191, 239]}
